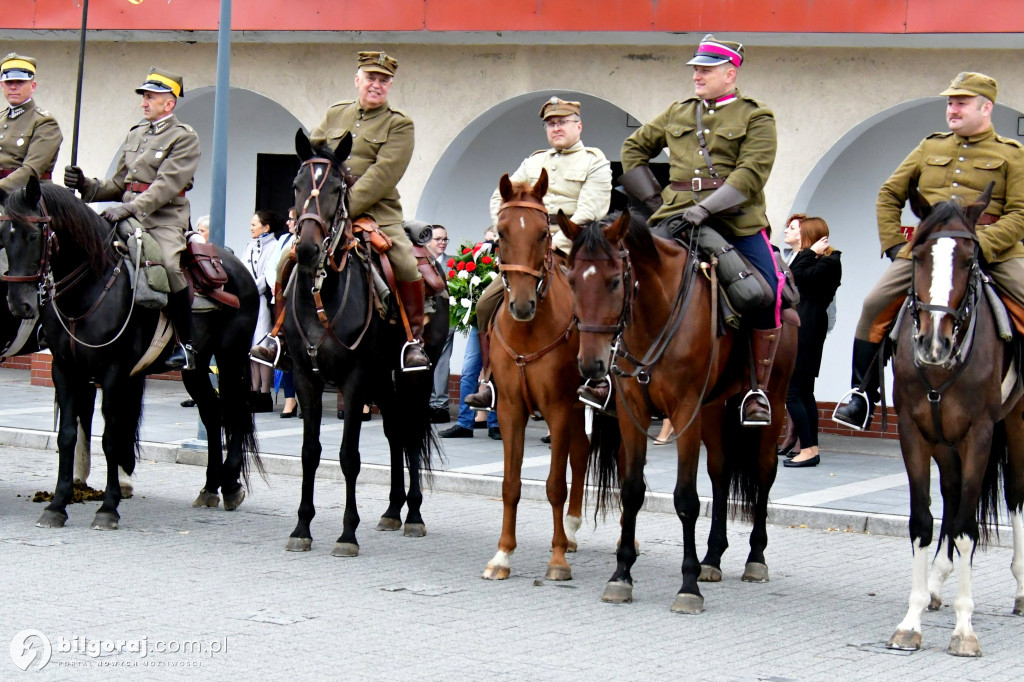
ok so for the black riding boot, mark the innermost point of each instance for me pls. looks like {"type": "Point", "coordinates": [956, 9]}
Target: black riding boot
{"type": "Point", "coordinates": [857, 413]}
{"type": "Point", "coordinates": [179, 309]}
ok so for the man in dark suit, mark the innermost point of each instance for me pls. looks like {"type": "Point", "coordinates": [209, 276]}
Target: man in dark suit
{"type": "Point", "coordinates": [439, 413]}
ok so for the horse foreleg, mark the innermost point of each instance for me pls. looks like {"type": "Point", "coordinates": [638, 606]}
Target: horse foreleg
{"type": "Point", "coordinates": [309, 392]}
{"type": "Point", "coordinates": [512, 422]}
{"type": "Point", "coordinates": [346, 545]}
{"type": "Point", "coordinates": [689, 599]}
{"type": "Point", "coordinates": [55, 515]}
{"type": "Point", "coordinates": [1017, 565]}
{"type": "Point", "coordinates": [391, 519]}
{"type": "Point", "coordinates": [718, 541]}
{"type": "Point", "coordinates": [122, 409]}
{"type": "Point", "coordinates": [756, 568]}
{"type": "Point", "coordinates": [557, 493]}
{"type": "Point", "coordinates": [964, 642]}
{"type": "Point", "coordinates": [208, 405]}
{"type": "Point", "coordinates": [579, 452]}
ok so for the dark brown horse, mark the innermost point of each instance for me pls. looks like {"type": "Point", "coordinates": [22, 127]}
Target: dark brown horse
{"type": "Point", "coordinates": [956, 407]}
{"type": "Point", "coordinates": [647, 316]}
{"type": "Point", "coordinates": [535, 344]}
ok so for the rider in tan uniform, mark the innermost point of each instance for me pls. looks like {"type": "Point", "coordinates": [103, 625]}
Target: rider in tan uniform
{"type": "Point", "coordinates": [156, 167]}
{"type": "Point", "coordinates": [29, 136]}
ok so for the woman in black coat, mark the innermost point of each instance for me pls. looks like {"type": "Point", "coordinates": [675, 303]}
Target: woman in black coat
{"type": "Point", "coordinates": [817, 272]}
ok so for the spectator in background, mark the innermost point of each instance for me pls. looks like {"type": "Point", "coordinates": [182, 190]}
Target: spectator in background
{"type": "Point", "coordinates": [439, 398]}
{"type": "Point", "coordinates": [203, 228]}
{"type": "Point", "coordinates": [281, 247]}
{"type": "Point", "coordinates": [262, 227]}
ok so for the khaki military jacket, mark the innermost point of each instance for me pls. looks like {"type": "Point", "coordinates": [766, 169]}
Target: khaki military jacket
{"type": "Point", "coordinates": [29, 141]}
{"type": "Point", "coordinates": [741, 138]}
{"type": "Point", "coordinates": [382, 144]}
{"type": "Point", "coordinates": [946, 166]}
{"type": "Point", "coordinates": [579, 184]}
{"type": "Point", "coordinates": [164, 155]}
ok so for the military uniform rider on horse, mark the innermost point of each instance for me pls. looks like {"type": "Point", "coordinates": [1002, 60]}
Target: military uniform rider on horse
{"type": "Point", "coordinates": [29, 136]}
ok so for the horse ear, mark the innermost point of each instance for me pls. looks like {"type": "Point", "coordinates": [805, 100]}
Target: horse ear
{"type": "Point", "coordinates": [344, 147]}
{"type": "Point", "coordinates": [302, 147]}
{"type": "Point", "coordinates": [568, 227]}
{"type": "Point", "coordinates": [616, 232]}
{"type": "Point", "coordinates": [541, 188]}
{"type": "Point", "coordinates": [33, 193]}
{"type": "Point", "coordinates": [505, 187]}
{"type": "Point", "coordinates": [975, 210]}
{"type": "Point", "coordinates": [918, 204]}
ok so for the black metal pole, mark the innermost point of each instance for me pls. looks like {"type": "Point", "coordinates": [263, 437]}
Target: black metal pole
{"type": "Point", "coordinates": [78, 90]}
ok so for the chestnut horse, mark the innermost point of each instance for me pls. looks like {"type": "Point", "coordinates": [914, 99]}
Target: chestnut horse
{"type": "Point", "coordinates": [534, 372]}
{"type": "Point", "coordinates": [647, 316]}
{"type": "Point", "coordinates": [955, 407]}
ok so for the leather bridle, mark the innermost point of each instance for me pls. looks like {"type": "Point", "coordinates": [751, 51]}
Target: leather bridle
{"type": "Point", "coordinates": [543, 280]}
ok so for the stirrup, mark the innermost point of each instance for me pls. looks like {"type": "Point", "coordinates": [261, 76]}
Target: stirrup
{"type": "Point", "coordinates": [277, 352]}
{"type": "Point", "coordinates": [489, 385]}
{"type": "Point", "coordinates": [187, 359]}
{"type": "Point", "coordinates": [751, 394]}
{"type": "Point", "coordinates": [845, 402]}
{"type": "Point", "coordinates": [414, 368]}
{"type": "Point", "coordinates": [584, 395]}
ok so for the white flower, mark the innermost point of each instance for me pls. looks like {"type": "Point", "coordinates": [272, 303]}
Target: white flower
{"type": "Point", "coordinates": [451, 300]}
{"type": "Point", "coordinates": [463, 274]}
{"type": "Point", "coordinates": [475, 280]}
{"type": "Point", "coordinates": [466, 303]}
{"type": "Point", "coordinates": [493, 274]}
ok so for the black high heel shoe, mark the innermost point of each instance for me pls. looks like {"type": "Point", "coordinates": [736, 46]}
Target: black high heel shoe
{"type": "Point", "coordinates": [289, 415]}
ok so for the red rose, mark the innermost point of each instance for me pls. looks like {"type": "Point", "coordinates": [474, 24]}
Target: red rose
{"type": "Point", "coordinates": [470, 266]}
{"type": "Point", "coordinates": [486, 260]}
{"type": "Point", "coordinates": [451, 262]}
{"type": "Point", "coordinates": [460, 266]}
{"type": "Point", "coordinates": [451, 274]}
{"type": "Point", "coordinates": [467, 250]}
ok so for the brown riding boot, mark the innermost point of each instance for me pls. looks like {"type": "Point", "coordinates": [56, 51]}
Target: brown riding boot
{"type": "Point", "coordinates": [755, 410]}
{"type": "Point", "coordinates": [410, 297]}
{"type": "Point", "coordinates": [484, 398]}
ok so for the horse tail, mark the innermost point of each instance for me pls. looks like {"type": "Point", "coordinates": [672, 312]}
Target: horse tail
{"type": "Point", "coordinates": [605, 443]}
{"type": "Point", "coordinates": [741, 447]}
{"type": "Point", "coordinates": [239, 422]}
{"type": "Point", "coordinates": [419, 442]}
{"type": "Point", "coordinates": [989, 499]}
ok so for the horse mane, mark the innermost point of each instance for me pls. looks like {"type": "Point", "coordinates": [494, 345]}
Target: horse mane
{"type": "Point", "coordinates": [941, 214]}
{"type": "Point", "coordinates": [81, 224]}
{"type": "Point", "coordinates": [638, 238]}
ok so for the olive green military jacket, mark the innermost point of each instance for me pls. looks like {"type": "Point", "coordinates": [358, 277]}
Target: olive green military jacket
{"type": "Point", "coordinates": [382, 144]}
{"type": "Point", "coordinates": [29, 141]}
{"type": "Point", "coordinates": [946, 166]}
{"type": "Point", "coordinates": [164, 155]}
{"type": "Point", "coordinates": [579, 184]}
{"type": "Point", "coordinates": [741, 138]}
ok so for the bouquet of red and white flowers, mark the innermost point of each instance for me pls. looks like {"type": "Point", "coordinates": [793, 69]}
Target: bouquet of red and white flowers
{"type": "Point", "coordinates": [469, 273]}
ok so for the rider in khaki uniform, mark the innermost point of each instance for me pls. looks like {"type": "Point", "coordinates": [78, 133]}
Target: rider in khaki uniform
{"type": "Point", "coordinates": [579, 184]}
{"type": "Point", "coordinates": [382, 144]}
{"type": "Point", "coordinates": [156, 167]}
{"type": "Point", "coordinates": [721, 150]}
{"type": "Point", "coordinates": [951, 165]}
{"type": "Point", "coordinates": [29, 136]}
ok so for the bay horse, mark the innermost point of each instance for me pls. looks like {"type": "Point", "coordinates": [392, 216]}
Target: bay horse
{"type": "Point", "coordinates": [535, 373]}
{"type": "Point", "coordinates": [63, 267]}
{"type": "Point", "coordinates": [335, 334]}
{"type": "Point", "coordinates": [954, 407]}
{"type": "Point", "coordinates": [647, 312]}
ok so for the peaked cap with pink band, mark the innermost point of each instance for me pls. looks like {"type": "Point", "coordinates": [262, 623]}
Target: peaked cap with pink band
{"type": "Point", "coordinates": [712, 52]}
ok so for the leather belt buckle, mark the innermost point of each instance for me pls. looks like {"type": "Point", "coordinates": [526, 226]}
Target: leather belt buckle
{"type": "Point", "coordinates": [696, 184]}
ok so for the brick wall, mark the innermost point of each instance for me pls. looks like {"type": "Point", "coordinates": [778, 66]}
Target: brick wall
{"type": "Point", "coordinates": [39, 366]}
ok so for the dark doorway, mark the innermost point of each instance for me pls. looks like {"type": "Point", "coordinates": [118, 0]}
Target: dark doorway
{"type": "Point", "coordinates": [274, 176]}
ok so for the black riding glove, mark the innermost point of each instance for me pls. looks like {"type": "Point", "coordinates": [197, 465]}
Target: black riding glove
{"type": "Point", "coordinates": [722, 199]}
{"type": "Point", "coordinates": [696, 215]}
{"type": "Point", "coordinates": [115, 213]}
{"type": "Point", "coordinates": [892, 252]}
{"type": "Point", "coordinates": [74, 178]}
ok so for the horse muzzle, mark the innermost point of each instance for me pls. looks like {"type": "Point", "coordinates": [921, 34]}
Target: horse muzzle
{"type": "Point", "coordinates": [933, 349]}
{"type": "Point", "coordinates": [522, 309]}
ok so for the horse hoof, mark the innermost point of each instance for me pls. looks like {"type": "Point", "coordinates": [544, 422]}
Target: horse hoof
{"type": "Point", "coordinates": [964, 646]}
{"type": "Point", "coordinates": [415, 530]}
{"type": "Point", "coordinates": [687, 603]}
{"type": "Point", "coordinates": [494, 572]}
{"type": "Point", "coordinates": [299, 544]}
{"type": "Point", "coordinates": [617, 592]}
{"type": "Point", "coordinates": [755, 573]}
{"type": "Point", "coordinates": [936, 603]}
{"type": "Point", "coordinates": [233, 501]}
{"type": "Point", "coordinates": [572, 546]}
{"type": "Point", "coordinates": [206, 499]}
{"type": "Point", "coordinates": [105, 521]}
{"type": "Point", "coordinates": [558, 572]}
{"type": "Point", "coordinates": [710, 574]}
{"type": "Point", "coordinates": [388, 523]}
{"type": "Point", "coordinates": [345, 549]}
{"type": "Point", "coordinates": [905, 640]}
{"type": "Point", "coordinates": [52, 519]}
{"type": "Point", "coordinates": [1018, 606]}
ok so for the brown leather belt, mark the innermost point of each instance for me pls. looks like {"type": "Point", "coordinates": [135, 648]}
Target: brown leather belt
{"type": "Point", "coordinates": [7, 171]}
{"type": "Point", "coordinates": [987, 219]}
{"type": "Point", "coordinates": [139, 187]}
{"type": "Point", "coordinates": [697, 184]}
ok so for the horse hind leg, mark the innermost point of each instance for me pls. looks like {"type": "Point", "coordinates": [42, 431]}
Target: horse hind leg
{"type": "Point", "coordinates": [942, 566]}
{"type": "Point", "coordinates": [964, 642]}
{"type": "Point", "coordinates": [1017, 565]}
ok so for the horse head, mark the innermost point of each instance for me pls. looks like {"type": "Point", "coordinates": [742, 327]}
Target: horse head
{"type": "Point", "coordinates": [526, 260]}
{"type": "Point", "coordinates": [945, 251]}
{"type": "Point", "coordinates": [321, 198]}
{"type": "Point", "coordinates": [601, 282]}
{"type": "Point", "coordinates": [26, 236]}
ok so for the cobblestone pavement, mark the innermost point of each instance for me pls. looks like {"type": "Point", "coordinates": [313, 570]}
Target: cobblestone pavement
{"type": "Point", "coordinates": [417, 609]}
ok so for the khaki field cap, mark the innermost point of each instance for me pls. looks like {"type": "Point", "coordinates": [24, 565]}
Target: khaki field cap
{"type": "Point", "coordinates": [161, 80]}
{"type": "Point", "coordinates": [559, 107]}
{"type": "Point", "coordinates": [712, 52]}
{"type": "Point", "coordinates": [379, 62]}
{"type": "Point", "coordinates": [15, 67]}
{"type": "Point", "coordinates": [971, 84]}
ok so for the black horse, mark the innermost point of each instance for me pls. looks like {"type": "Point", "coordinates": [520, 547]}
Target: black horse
{"type": "Point", "coordinates": [63, 267]}
{"type": "Point", "coordinates": [335, 334]}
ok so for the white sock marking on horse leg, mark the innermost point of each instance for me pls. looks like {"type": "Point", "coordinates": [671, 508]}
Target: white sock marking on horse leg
{"type": "Point", "coordinates": [964, 603]}
{"type": "Point", "coordinates": [572, 524]}
{"type": "Point", "coordinates": [589, 272]}
{"type": "Point", "coordinates": [918, 590]}
{"type": "Point", "coordinates": [83, 457]}
{"type": "Point", "coordinates": [1017, 565]}
{"type": "Point", "coordinates": [501, 558]}
{"type": "Point", "coordinates": [941, 568]}
{"type": "Point", "coordinates": [942, 281]}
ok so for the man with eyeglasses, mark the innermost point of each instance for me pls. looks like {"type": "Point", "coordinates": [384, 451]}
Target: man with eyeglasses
{"type": "Point", "coordinates": [579, 184]}
{"type": "Point", "coordinates": [439, 413]}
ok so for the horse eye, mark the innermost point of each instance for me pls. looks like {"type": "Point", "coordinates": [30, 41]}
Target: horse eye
{"type": "Point", "coordinates": [616, 283]}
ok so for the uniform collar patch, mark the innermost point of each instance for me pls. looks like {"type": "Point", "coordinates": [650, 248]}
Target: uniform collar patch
{"type": "Point", "coordinates": [17, 111]}
{"type": "Point", "coordinates": [721, 101]}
